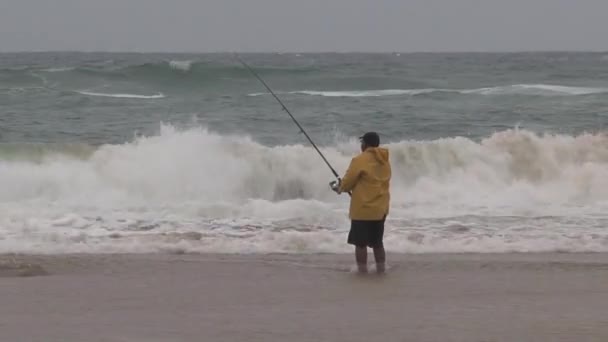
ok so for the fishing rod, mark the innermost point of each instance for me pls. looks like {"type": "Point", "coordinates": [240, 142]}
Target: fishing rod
{"type": "Point", "coordinates": [288, 112]}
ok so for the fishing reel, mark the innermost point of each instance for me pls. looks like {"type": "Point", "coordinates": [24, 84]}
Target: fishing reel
{"type": "Point", "coordinates": [335, 186]}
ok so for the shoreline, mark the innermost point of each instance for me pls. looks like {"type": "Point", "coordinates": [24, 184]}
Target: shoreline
{"type": "Point", "coordinates": [29, 264]}
{"type": "Point", "coordinates": [278, 297]}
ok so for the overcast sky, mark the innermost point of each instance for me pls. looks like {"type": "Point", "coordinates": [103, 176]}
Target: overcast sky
{"type": "Point", "coordinates": [303, 25]}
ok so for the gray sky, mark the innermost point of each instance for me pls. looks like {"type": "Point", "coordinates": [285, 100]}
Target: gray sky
{"type": "Point", "coordinates": [303, 25]}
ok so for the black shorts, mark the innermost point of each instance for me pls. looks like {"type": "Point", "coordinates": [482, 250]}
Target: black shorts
{"type": "Point", "coordinates": [366, 233]}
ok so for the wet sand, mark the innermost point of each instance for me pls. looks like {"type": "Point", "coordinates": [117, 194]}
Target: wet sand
{"type": "Point", "coordinates": [174, 298]}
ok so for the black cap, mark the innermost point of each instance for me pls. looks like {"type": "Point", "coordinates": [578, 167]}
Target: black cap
{"type": "Point", "coordinates": [371, 139]}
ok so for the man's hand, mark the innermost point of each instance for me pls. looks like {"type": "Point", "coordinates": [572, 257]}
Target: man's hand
{"type": "Point", "coordinates": [335, 186]}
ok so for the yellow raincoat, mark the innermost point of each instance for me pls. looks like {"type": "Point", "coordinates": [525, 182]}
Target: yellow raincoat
{"type": "Point", "coordinates": [368, 177]}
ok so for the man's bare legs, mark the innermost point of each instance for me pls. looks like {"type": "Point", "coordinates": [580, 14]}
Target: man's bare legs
{"type": "Point", "coordinates": [380, 256]}
{"type": "Point", "coordinates": [361, 257]}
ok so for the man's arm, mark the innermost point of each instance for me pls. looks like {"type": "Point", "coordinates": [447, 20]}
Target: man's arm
{"type": "Point", "coordinates": [350, 177]}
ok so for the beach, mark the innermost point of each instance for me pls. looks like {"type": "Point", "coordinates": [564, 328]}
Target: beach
{"type": "Point", "coordinates": [284, 297]}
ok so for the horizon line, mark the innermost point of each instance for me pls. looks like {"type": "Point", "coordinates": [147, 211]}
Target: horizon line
{"type": "Point", "coordinates": [307, 52]}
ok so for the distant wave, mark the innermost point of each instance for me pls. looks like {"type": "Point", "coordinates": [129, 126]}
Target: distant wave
{"type": "Point", "coordinates": [516, 89]}
{"type": "Point", "coordinates": [129, 96]}
{"type": "Point", "coordinates": [365, 93]}
{"type": "Point", "coordinates": [181, 65]}
{"type": "Point", "coordinates": [357, 93]}
{"type": "Point", "coordinates": [62, 69]}
{"type": "Point", "coordinates": [182, 73]}
{"type": "Point", "coordinates": [19, 89]}
{"type": "Point", "coordinates": [536, 89]}
{"type": "Point", "coordinates": [202, 68]}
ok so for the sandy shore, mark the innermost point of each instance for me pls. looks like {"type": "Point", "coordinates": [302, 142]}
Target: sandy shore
{"type": "Point", "coordinates": [171, 298]}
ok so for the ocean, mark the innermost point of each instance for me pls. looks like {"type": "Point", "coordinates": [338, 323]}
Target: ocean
{"type": "Point", "coordinates": [188, 153]}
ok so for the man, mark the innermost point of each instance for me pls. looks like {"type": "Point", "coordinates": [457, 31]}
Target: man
{"type": "Point", "coordinates": [368, 177]}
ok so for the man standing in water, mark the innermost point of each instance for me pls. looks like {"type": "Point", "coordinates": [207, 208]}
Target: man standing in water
{"type": "Point", "coordinates": [368, 177]}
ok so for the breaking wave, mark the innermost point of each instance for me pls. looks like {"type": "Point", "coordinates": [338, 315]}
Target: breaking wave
{"type": "Point", "coordinates": [194, 190]}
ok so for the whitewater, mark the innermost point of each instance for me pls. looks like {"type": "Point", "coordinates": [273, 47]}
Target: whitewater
{"type": "Point", "coordinates": [194, 190]}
